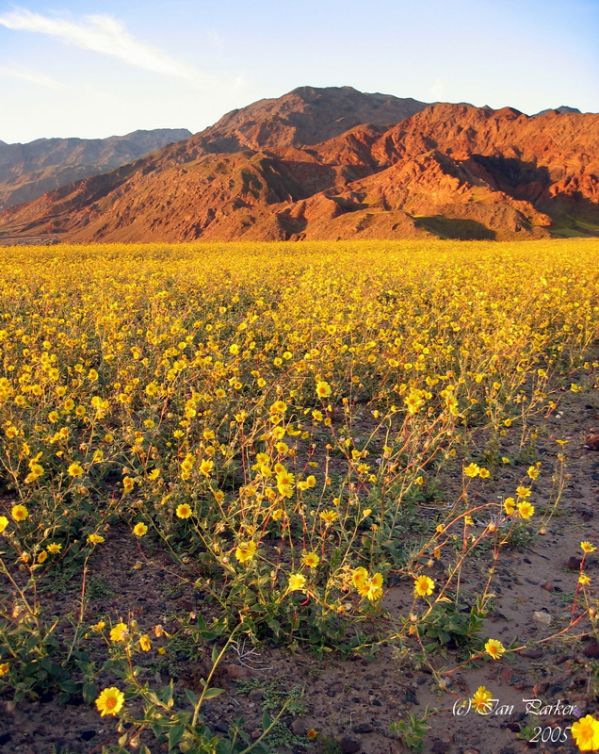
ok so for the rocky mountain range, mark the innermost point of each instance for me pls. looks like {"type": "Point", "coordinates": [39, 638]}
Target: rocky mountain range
{"type": "Point", "coordinates": [29, 170]}
{"type": "Point", "coordinates": [337, 163]}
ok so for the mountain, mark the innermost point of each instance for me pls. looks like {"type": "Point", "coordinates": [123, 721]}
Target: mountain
{"type": "Point", "coordinates": [562, 109]}
{"type": "Point", "coordinates": [29, 170]}
{"type": "Point", "coordinates": [336, 163]}
{"type": "Point", "coordinates": [307, 115]}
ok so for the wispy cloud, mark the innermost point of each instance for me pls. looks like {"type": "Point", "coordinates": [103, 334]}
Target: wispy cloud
{"type": "Point", "coordinates": [32, 77]}
{"type": "Point", "coordinates": [103, 34]}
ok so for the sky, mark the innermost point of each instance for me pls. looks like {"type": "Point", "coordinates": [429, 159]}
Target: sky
{"type": "Point", "coordinates": [94, 69]}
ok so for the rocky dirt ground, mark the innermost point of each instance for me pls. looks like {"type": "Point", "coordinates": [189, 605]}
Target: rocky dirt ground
{"type": "Point", "coordinates": [353, 704]}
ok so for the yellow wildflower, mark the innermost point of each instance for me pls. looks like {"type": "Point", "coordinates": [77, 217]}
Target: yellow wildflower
{"type": "Point", "coordinates": [246, 551]}
{"type": "Point", "coordinates": [75, 470]}
{"type": "Point", "coordinates": [119, 632]}
{"type": "Point", "coordinates": [297, 582]}
{"type": "Point", "coordinates": [585, 733]}
{"type": "Point", "coordinates": [310, 559]}
{"type": "Point", "coordinates": [110, 701]}
{"type": "Point", "coordinates": [183, 510]}
{"type": "Point", "coordinates": [472, 470]}
{"type": "Point", "coordinates": [19, 513]}
{"type": "Point", "coordinates": [525, 510]}
{"type": "Point", "coordinates": [140, 529]}
{"type": "Point", "coordinates": [482, 700]}
{"type": "Point", "coordinates": [495, 649]}
{"type": "Point", "coordinates": [323, 389]}
{"type": "Point", "coordinates": [424, 586]}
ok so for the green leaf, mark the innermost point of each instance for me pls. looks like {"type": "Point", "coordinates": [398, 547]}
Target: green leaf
{"type": "Point", "coordinates": [174, 735]}
{"type": "Point", "coordinates": [212, 693]}
{"type": "Point", "coordinates": [274, 626]}
{"type": "Point", "coordinates": [89, 692]}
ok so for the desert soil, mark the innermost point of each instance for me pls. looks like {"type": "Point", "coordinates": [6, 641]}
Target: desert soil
{"type": "Point", "coordinates": [352, 702]}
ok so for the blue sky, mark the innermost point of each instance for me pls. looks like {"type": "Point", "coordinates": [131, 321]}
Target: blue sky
{"type": "Point", "coordinates": [94, 69]}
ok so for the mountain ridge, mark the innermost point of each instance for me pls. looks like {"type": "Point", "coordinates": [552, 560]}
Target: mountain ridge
{"type": "Point", "coordinates": [27, 170]}
{"type": "Point", "coordinates": [261, 173]}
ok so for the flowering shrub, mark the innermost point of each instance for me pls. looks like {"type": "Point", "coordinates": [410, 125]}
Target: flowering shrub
{"type": "Point", "coordinates": [268, 414]}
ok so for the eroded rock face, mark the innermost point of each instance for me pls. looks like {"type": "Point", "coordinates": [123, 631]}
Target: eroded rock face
{"type": "Point", "coordinates": [306, 166]}
{"type": "Point", "coordinates": [307, 115]}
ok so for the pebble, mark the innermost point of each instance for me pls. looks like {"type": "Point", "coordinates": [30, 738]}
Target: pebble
{"type": "Point", "coordinates": [410, 696]}
{"type": "Point", "coordinates": [298, 726]}
{"type": "Point", "coordinates": [237, 672]}
{"type": "Point", "coordinates": [363, 728]}
{"type": "Point", "coordinates": [301, 725]}
{"type": "Point", "coordinates": [440, 747]}
{"type": "Point", "coordinates": [535, 653]}
{"type": "Point", "coordinates": [591, 649]}
{"type": "Point", "coordinates": [542, 616]}
{"type": "Point", "coordinates": [349, 745]}
{"type": "Point", "coordinates": [585, 514]}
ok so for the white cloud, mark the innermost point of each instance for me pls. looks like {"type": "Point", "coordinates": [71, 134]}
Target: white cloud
{"type": "Point", "coordinates": [32, 77]}
{"type": "Point", "coordinates": [103, 34]}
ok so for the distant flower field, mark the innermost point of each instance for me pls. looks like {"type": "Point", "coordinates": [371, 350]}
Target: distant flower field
{"type": "Point", "coordinates": [264, 416]}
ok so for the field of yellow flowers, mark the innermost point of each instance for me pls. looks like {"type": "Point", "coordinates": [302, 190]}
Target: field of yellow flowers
{"type": "Point", "coordinates": [291, 434]}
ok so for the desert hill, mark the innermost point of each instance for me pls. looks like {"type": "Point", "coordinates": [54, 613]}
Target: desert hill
{"type": "Point", "coordinates": [336, 163]}
{"type": "Point", "coordinates": [29, 170]}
